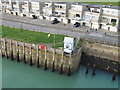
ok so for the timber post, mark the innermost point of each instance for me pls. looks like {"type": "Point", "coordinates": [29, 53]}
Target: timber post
{"type": "Point", "coordinates": [94, 68]}
{"type": "Point", "coordinates": [53, 64]}
{"type": "Point", "coordinates": [11, 50]}
{"type": "Point", "coordinates": [87, 69]}
{"type": "Point", "coordinates": [1, 47]}
{"type": "Point", "coordinates": [30, 62]}
{"type": "Point", "coordinates": [5, 48]}
{"type": "Point", "coordinates": [17, 51]}
{"type": "Point", "coordinates": [38, 56]}
{"type": "Point", "coordinates": [114, 75]}
{"type": "Point", "coordinates": [24, 59]}
{"type": "Point", "coordinates": [45, 59]}
{"type": "Point", "coordinates": [69, 67]}
{"type": "Point", "coordinates": [61, 67]}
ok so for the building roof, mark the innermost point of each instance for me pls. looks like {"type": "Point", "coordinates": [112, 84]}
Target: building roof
{"type": "Point", "coordinates": [97, 5]}
{"type": "Point", "coordinates": [68, 40]}
{"type": "Point", "coordinates": [92, 5]}
{"type": "Point", "coordinates": [63, 2]}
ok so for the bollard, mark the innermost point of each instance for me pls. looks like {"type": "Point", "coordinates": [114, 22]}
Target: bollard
{"type": "Point", "coordinates": [38, 57]}
{"type": "Point", "coordinates": [87, 69]}
{"type": "Point", "coordinates": [17, 50]}
{"type": "Point", "coordinates": [114, 77]}
{"type": "Point", "coordinates": [30, 55]}
{"type": "Point", "coordinates": [53, 67]}
{"type": "Point", "coordinates": [24, 53]}
{"type": "Point", "coordinates": [69, 71]}
{"type": "Point", "coordinates": [94, 68]}
{"type": "Point", "coordinates": [61, 69]}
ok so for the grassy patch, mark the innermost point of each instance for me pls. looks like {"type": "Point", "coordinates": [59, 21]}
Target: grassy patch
{"type": "Point", "coordinates": [32, 36]}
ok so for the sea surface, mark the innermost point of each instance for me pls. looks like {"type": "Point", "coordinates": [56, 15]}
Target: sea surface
{"type": "Point", "coordinates": [19, 75]}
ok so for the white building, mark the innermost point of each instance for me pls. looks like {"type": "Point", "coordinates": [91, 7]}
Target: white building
{"type": "Point", "coordinates": [7, 6]}
{"type": "Point", "coordinates": [75, 13]}
{"type": "Point", "coordinates": [17, 8]}
{"type": "Point", "coordinates": [110, 18]}
{"type": "Point", "coordinates": [61, 10]}
{"type": "Point", "coordinates": [26, 9]}
{"type": "Point", "coordinates": [91, 15]}
{"type": "Point", "coordinates": [47, 10]}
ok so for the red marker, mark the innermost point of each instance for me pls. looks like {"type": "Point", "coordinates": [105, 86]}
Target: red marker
{"type": "Point", "coordinates": [42, 47]}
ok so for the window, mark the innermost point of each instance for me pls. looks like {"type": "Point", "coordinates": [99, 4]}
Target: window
{"type": "Point", "coordinates": [113, 20]}
{"type": "Point", "coordinates": [107, 11]}
{"type": "Point", "coordinates": [56, 6]}
{"type": "Point", "coordinates": [62, 13]}
{"type": "Point", "coordinates": [56, 12]}
{"type": "Point", "coordinates": [46, 4]}
{"type": "Point", "coordinates": [112, 12]}
{"type": "Point", "coordinates": [60, 6]}
{"type": "Point", "coordinates": [73, 7]}
{"type": "Point", "coordinates": [94, 17]}
{"type": "Point", "coordinates": [86, 17]}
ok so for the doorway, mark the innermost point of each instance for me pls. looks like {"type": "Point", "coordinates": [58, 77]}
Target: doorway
{"type": "Point", "coordinates": [16, 13]}
{"type": "Point", "coordinates": [108, 28]}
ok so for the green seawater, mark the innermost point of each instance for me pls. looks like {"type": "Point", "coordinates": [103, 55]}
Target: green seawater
{"type": "Point", "coordinates": [20, 75]}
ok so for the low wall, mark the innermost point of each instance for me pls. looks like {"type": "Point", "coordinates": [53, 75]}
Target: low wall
{"type": "Point", "coordinates": [48, 58]}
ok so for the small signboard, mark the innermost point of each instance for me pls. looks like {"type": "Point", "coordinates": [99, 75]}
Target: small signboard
{"type": "Point", "coordinates": [68, 44]}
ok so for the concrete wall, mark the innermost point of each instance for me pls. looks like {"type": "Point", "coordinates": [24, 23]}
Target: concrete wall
{"type": "Point", "coordinates": [103, 56]}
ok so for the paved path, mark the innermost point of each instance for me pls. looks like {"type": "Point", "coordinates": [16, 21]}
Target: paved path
{"type": "Point", "coordinates": [49, 28]}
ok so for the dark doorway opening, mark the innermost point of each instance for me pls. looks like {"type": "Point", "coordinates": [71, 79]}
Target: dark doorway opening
{"type": "Point", "coordinates": [16, 13]}
{"type": "Point", "coordinates": [108, 28]}
{"type": "Point", "coordinates": [113, 20]}
{"type": "Point", "coordinates": [100, 26]}
{"type": "Point", "coordinates": [12, 13]}
{"type": "Point", "coordinates": [69, 21]}
{"type": "Point", "coordinates": [24, 15]}
{"type": "Point", "coordinates": [34, 17]}
{"type": "Point", "coordinates": [83, 23]}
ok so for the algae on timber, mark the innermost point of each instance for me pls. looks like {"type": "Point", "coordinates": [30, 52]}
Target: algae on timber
{"type": "Point", "coordinates": [33, 37]}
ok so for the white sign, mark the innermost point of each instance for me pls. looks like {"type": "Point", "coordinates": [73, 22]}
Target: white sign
{"type": "Point", "coordinates": [68, 44]}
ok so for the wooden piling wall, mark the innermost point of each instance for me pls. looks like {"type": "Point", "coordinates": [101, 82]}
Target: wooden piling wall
{"type": "Point", "coordinates": [48, 59]}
